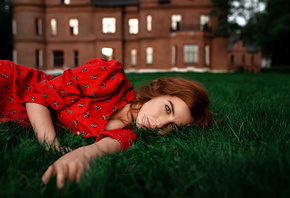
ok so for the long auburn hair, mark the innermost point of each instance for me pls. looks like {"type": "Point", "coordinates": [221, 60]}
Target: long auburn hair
{"type": "Point", "coordinates": [191, 92]}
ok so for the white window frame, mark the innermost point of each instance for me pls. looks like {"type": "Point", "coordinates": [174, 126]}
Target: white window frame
{"type": "Point", "coordinates": [133, 26]}
{"type": "Point", "coordinates": [149, 55]}
{"type": "Point", "coordinates": [109, 25]}
{"type": "Point", "coordinates": [74, 25]}
{"type": "Point", "coordinates": [190, 52]}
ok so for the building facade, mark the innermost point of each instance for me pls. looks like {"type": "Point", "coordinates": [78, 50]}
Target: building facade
{"type": "Point", "coordinates": [141, 34]}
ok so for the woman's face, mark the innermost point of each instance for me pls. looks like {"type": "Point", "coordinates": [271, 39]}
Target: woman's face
{"type": "Point", "coordinates": [164, 113]}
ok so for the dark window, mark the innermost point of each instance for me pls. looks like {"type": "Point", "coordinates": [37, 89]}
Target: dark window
{"type": "Point", "coordinates": [58, 58]}
{"type": "Point", "coordinates": [76, 58]}
{"type": "Point", "coordinates": [37, 58]}
{"type": "Point", "coordinates": [243, 59]}
{"type": "Point", "coordinates": [232, 59]}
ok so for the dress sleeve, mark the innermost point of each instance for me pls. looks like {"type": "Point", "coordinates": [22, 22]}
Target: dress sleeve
{"type": "Point", "coordinates": [124, 136]}
{"type": "Point", "coordinates": [98, 78]}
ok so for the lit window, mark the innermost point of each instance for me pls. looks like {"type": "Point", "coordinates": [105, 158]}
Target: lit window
{"type": "Point", "coordinates": [174, 55]}
{"type": "Point", "coordinates": [207, 55]}
{"type": "Point", "coordinates": [133, 26]}
{"type": "Point", "coordinates": [149, 23]}
{"type": "Point", "coordinates": [175, 22]}
{"type": "Point", "coordinates": [57, 58]}
{"type": "Point", "coordinates": [39, 58]}
{"type": "Point", "coordinates": [53, 27]}
{"type": "Point", "coordinates": [133, 57]}
{"type": "Point", "coordinates": [204, 20]}
{"type": "Point", "coordinates": [109, 25]}
{"type": "Point", "coordinates": [107, 53]}
{"type": "Point", "coordinates": [149, 55]}
{"type": "Point", "coordinates": [74, 26]}
{"type": "Point", "coordinates": [38, 26]}
{"type": "Point", "coordinates": [66, 2]}
{"type": "Point", "coordinates": [190, 53]}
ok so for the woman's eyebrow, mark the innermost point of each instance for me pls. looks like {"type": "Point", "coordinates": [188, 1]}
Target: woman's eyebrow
{"type": "Point", "coordinates": [172, 107]}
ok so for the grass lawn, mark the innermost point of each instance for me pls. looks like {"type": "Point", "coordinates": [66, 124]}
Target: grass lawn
{"type": "Point", "coordinates": [245, 154]}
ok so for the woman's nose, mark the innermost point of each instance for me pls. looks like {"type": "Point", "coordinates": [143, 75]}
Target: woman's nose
{"type": "Point", "coordinates": [162, 121]}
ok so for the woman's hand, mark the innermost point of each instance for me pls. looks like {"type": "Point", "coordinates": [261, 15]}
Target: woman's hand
{"type": "Point", "coordinates": [72, 164]}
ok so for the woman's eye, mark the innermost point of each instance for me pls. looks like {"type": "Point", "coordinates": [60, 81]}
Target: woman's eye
{"type": "Point", "coordinates": [168, 110]}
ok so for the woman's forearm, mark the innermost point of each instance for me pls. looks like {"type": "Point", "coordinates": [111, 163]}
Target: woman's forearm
{"type": "Point", "coordinates": [41, 121]}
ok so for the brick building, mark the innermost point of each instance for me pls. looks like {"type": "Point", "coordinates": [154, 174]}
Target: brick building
{"type": "Point", "coordinates": [141, 34]}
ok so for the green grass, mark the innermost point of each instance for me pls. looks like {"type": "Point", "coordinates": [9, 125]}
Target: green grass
{"type": "Point", "coordinates": [245, 154]}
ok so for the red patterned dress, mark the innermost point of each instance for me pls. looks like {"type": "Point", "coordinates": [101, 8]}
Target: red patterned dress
{"type": "Point", "coordinates": [80, 99]}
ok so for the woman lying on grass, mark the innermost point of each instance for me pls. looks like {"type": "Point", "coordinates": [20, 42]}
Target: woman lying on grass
{"type": "Point", "coordinates": [96, 100]}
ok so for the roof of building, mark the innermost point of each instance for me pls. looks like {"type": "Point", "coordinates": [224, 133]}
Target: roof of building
{"type": "Point", "coordinates": [251, 47]}
{"type": "Point", "coordinates": [121, 2]}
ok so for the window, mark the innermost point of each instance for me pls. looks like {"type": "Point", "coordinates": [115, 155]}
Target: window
{"type": "Point", "coordinates": [66, 2]}
{"type": "Point", "coordinates": [38, 26]}
{"type": "Point", "coordinates": [149, 23]}
{"type": "Point", "coordinates": [109, 25]}
{"type": "Point", "coordinates": [149, 55]}
{"type": "Point", "coordinates": [133, 26]}
{"type": "Point", "coordinates": [133, 57]}
{"type": "Point", "coordinates": [14, 27]}
{"type": "Point", "coordinates": [243, 59]}
{"type": "Point", "coordinates": [53, 27]}
{"type": "Point", "coordinates": [76, 58]}
{"type": "Point", "coordinates": [253, 59]}
{"type": "Point", "coordinates": [232, 59]}
{"type": "Point", "coordinates": [107, 53]}
{"type": "Point", "coordinates": [174, 55]}
{"type": "Point", "coordinates": [74, 26]}
{"type": "Point", "coordinates": [204, 20]}
{"type": "Point", "coordinates": [190, 53]}
{"type": "Point", "coordinates": [57, 58]}
{"type": "Point", "coordinates": [39, 59]}
{"type": "Point", "coordinates": [14, 56]}
{"type": "Point", "coordinates": [206, 55]}
{"type": "Point", "coordinates": [175, 22]}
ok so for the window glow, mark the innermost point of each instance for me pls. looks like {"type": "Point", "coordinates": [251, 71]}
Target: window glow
{"type": "Point", "coordinates": [74, 26]}
{"type": "Point", "coordinates": [149, 23]}
{"type": "Point", "coordinates": [107, 53]}
{"type": "Point", "coordinates": [175, 21]}
{"type": "Point", "coordinates": [133, 26]}
{"type": "Point", "coordinates": [109, 25]}
{"type": "Point", "coordinates": [53, 27]}
{"type": "Point", "coordinates": [149, 55]}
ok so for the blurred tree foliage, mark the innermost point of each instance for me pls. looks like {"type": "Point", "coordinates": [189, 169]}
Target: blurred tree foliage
{"type": "Point", "coordinates": [5, 29]}
{"type": "Point", "coordinates": [271, 31]}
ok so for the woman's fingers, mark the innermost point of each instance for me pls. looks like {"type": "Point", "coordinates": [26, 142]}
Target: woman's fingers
{"type": "Point", "coordinates": [46, 176]}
